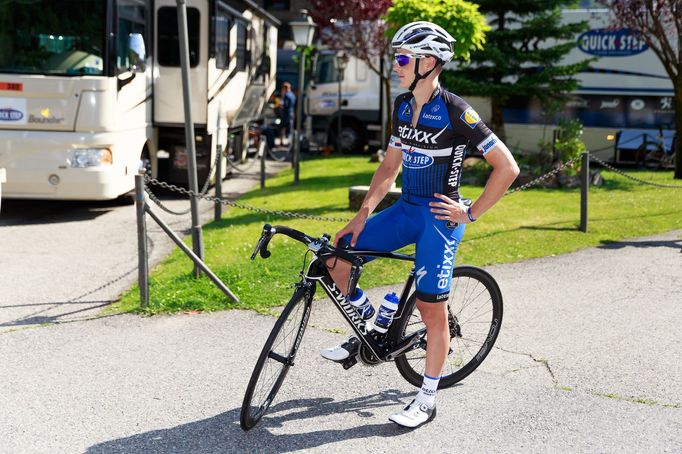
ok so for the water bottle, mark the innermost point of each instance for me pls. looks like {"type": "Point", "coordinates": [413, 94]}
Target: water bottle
{"type": "Point", "coordinates": [361, 304]}
{"type": "Point", "coordinates": [386, 312]}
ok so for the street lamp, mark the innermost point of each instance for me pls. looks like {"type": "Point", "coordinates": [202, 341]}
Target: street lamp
{"type": "Point", "coordinates": [341, 61]}
{"type": "Point", "coordinates": [303, 31]}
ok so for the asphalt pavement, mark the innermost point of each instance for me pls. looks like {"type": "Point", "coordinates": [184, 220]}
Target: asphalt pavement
{"type": "Point", "coordinates": [62, 261]}
{"type": "Point", "coordinates": [588, 360]}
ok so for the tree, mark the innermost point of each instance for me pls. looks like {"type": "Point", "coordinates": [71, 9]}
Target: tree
{"type": "Point", "coordinates": [659, 24]}
{"type": "Point", "coordinates": [521, 56]}
{"type": "Point", "coordinates": [364, 28]}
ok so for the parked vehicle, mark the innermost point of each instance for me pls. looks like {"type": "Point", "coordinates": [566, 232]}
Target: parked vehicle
{"type": "Point", "coordinates": [91, 90]}
{"type": "Point", "coordinates": [360, 102]}
{"type": "Point", "coordinates": [626, 88]}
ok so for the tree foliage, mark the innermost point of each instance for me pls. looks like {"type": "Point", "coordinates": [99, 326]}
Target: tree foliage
{"type": "Point", "coordinates": [659, 23]}
{"type": "Point", "coordinates": [460, 18]}
{"type": "Point", "coordinates": [521, 56]}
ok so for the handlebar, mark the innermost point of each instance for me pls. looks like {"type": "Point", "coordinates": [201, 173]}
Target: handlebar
{"type": "Point", "coordinates": [270, 231]}
{"type": "Point", "coordinates": [322, 246]}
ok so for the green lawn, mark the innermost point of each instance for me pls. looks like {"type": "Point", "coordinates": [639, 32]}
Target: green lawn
{"type": "Point", "coordinates": [527, 224]}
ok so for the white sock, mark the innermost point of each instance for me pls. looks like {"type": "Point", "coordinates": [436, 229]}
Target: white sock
{"type": "Point", "coordinates": [427, 395]}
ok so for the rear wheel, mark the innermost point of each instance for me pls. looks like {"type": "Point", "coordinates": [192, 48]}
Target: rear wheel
{"type": "Point", "coordinates": [474, 319]}
{"type": "Point", "coordinates": [276, 358]}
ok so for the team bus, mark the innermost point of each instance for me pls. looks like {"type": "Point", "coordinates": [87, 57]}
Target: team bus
{"type": "Point", "coordinates": [90, 90]}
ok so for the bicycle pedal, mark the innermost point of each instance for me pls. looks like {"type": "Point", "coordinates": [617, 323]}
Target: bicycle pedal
{"type": "Point", "coordinates": [350, 362]}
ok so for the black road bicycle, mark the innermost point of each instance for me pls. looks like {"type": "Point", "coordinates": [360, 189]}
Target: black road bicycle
{"type": "Point", "coordinates": [474, 315]}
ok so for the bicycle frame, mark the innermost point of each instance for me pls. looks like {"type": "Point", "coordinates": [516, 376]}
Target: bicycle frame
{"type": "Point", "coordinates": [384, 348]}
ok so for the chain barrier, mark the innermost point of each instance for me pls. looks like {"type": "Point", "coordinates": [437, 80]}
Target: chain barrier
{"type": "Point", "coordinates": [204, 189]}
{"type": "Point", "coordinates": [243, 206]}
{"type": "Point", "coordinates": [542, 178]}
{"type": "Point", "coordinates": [280, 213]}
{"type": "Point", "coordinates": [639, 180]}
{"type": "Point", "coordinates": [246, 168]}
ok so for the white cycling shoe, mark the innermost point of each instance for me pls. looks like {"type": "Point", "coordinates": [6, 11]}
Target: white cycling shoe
{"type": "Point", "coordinates": [414, 415]}
{"type": "Point", "coordinates": [342, 351]}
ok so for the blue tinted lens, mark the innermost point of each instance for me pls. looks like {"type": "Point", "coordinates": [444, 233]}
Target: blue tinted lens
{"type": "Point", "coordinates": [402, 60]}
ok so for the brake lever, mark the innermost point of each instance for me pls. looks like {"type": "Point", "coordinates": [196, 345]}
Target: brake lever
{"type": "Point", "coordinates": [264, 237]}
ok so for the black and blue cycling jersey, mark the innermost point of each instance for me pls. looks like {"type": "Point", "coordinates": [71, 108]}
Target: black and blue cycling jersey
{"type": "Point", "coordinates": [433, 154]}
{"type": "Point", "coordinates": [433, 151]}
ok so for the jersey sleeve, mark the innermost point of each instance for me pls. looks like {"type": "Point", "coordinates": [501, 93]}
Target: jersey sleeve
{"type": "Point", "coordinates": [466, 121]}
{"type": "Point", "coordinates": [394, 141]}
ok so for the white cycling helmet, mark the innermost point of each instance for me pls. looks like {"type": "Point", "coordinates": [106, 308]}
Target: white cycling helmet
{"type": "Point", "coordinates": [425, 38]}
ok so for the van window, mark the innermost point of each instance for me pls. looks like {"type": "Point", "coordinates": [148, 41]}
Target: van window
{"type": "Point", "coordinates": [132, 18]}
{"type": "Point", "coordinates": [325, 70]}
{"type": "Point", "coordinates": [168, 42]}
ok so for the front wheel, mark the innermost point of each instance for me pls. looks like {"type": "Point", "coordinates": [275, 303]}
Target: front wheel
{"type": "Point", "coordinates": [474, 319]}
{"type": "Point", "coordinates": [276, 358]}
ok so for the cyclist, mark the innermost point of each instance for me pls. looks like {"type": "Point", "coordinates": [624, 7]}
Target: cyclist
{"type": "Point", "coordinates": [431, 129]}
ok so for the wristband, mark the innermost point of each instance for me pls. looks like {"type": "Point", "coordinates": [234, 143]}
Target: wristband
{"type": "Point", "coordinates": [471, 217]}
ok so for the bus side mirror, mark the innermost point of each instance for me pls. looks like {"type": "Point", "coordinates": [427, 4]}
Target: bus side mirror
{"type": "Point", "coordinates": [136, 52]}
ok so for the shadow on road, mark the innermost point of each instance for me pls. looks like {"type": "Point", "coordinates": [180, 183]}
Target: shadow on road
{"type": "Point", "coordinates": [222, 432]}
{"type": "Point", "coordinates": [36, 212]}
{"type": "Point", "coordinates": [35, 319]}
{"type": "Point", "coordinates": [674, 244]}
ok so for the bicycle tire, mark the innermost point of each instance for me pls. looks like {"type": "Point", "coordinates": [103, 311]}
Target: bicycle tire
{"type": "Point", "coordinates": [261, 390]}
{"type": "Point", "coordinates": [283, 155]}
{"type": "Point", "coordinates": [466, 308]}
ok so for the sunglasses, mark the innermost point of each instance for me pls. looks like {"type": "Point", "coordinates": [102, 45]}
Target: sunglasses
{"type": "Point", "coordinates": [404, 59]}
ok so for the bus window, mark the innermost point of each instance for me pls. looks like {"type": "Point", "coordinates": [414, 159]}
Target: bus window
{"type": "Point", "coordinates": [242, 34]}
{"type": "Point", "coordinates": [132, 18]}
{"type": "Point", "coordinates": [223, 23]}
{"type": "Point", "coordinates": [168, 44]}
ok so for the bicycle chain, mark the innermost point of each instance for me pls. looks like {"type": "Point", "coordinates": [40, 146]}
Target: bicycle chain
{"type": "Point", "coordinates": [620, 172]}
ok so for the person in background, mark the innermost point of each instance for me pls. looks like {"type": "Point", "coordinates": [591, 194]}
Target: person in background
{"type": "Point", "coordinates": [288, 104]}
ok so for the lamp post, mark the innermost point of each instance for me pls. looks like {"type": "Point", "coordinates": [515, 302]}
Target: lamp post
{"type": "Point", "coordinates": [303, 30]}
{"type": "Point", "coordinates": [341, 61]}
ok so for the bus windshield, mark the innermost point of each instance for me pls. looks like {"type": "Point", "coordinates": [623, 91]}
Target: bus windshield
{"type": "Point", "coordinates": [65, 37]}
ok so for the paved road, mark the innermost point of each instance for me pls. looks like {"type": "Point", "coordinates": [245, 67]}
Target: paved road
{"type": "Point", "coordinates": [588, 360]}
{"type": "Point", "coordinates": [64, 261]}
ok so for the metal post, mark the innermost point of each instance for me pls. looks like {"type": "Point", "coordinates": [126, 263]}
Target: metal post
{"type": "Point", "coordinates": [262, 150]}
{"type": "Point", "coordinates": [382, 110]}
{"type": "Point", "coordinates": [197, 261]}
{"type": "Point", "coordinates": [299, 110]}
{"type": "Point", "coordinates": [338, 113]}
{"type": "Point", "coordinates": [584, 189]}
{"type": "Point", "coordinates": [218, 207]}
{"type": "Point", "coordinates": [197, 239]}
{"type": "Point", "coordinates": [142, 261]}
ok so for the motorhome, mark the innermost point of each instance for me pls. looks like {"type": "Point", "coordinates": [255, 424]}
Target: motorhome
{"type": "Point", "coordinates": [624, 94]}
{"type": "Point", "coordinates": [90, 90]}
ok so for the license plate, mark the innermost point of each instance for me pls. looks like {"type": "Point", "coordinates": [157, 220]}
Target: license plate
{"type": "Point", "coordinates": [180, 158]}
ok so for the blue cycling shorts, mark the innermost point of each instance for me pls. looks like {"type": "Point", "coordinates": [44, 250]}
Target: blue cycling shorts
{"type": "Point", "coordinates": [410, 221]}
